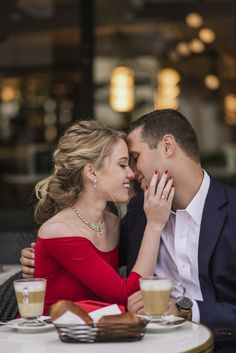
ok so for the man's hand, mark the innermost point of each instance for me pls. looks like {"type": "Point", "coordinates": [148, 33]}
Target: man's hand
{"type": "Point", "coordinates": [27, 261]}
{"type": "Point", "coordinates": [173, 310]}
{"type": "Point", "coordinates": [135, 303]}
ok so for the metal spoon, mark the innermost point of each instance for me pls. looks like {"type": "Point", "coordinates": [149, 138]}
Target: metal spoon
{"type": "Point", "coordinates": [168, 322]}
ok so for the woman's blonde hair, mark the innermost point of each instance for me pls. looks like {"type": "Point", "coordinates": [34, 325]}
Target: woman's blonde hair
{"type": "Point", "coordinates": [84, 142]}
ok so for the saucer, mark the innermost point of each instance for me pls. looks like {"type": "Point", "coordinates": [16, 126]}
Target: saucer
{"type": "Point", "coordinates": [167, 325]}
{"type": "Point", "coordinates": [15, 324]}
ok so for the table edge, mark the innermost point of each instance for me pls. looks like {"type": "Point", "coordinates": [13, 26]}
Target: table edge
{"type": "Point", "coordinates": [206, 345]}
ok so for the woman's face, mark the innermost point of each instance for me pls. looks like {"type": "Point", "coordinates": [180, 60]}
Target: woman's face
{"type": "Point", "coordinates": [113, 179]}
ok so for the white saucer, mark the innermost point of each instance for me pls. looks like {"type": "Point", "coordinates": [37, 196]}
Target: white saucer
{"type": "Point", "coordinates": [15, 324]}
{"type": "Point", "coordinates": [154, 327]}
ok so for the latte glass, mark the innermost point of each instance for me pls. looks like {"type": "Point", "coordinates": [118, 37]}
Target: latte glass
{"type": "Point", "coordinates": [30, 294]}
{"type": "Point", "coordinates": [157, 293]}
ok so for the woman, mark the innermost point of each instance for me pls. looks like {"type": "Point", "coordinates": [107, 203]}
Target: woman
{"type": "Point", "coordinates": [77, 244]}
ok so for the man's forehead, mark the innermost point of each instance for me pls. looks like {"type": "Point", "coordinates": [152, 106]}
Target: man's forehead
{"type": "Point", "coordinates": [135, 136]}
{"type": "Point", "coordinates": [136, 133]}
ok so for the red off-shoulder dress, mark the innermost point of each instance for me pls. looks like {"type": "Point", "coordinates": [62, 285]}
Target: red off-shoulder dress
{"type": "Point", "coordinates": [76, 270]}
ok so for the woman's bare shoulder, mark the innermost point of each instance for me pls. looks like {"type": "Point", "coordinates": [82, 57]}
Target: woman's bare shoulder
{"type": "Point", "coordinates": [54, 229]}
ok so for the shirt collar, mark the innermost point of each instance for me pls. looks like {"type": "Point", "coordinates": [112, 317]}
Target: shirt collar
{"type": "Point", "coordinates": [195, 207]}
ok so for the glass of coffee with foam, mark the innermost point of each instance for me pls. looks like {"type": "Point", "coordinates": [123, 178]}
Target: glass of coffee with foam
{"type": "Point", "coordinates": [30, 294]}
{"type": "Point", "coordinates": [156, 293]}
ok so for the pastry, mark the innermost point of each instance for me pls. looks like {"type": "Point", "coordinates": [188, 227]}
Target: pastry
{"type": "Point", "coordinates": [125, 318]}
{"type": "Point", "coordinates": [60, 307]}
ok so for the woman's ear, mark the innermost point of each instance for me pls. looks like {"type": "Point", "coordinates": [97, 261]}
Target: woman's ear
{"type": "Point", "coordinates": [89, 172]}
{"type": "Point", "coordinates": [169, 144]}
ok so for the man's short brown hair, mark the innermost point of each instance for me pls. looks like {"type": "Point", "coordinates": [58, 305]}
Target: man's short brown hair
{"type": "Point", "coordinates": [168, 121]}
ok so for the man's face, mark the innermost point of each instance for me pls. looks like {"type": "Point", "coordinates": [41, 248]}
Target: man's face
{"type": "Point", "coordinates": [143, 159]}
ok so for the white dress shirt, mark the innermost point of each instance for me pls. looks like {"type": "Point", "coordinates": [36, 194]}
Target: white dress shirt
{"type": "Point", "coordinates": [178, 254]}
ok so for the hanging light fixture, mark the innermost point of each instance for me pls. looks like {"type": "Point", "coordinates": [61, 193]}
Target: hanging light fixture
{"type": "Point", "coordinates": [10, 93]}
{"type": "Point", "coordinates": [194, 20]}
{"type": "Point", "coordinates": [207, 35]}
{"type": "Point", "coordinates": [168, 89]}
{"type": "Point", "coordinates": [182, 48]}
{"type": "Point", "coordinates": [196, 45]}
{"type": "Point", "coordinates": [230, 108]}
{"type": "Point", "coordinates": [122, 97]}
{"type": "Point", "coordinates": [168, 77]}
{"type": "Point", "coordinates": [212, 82]}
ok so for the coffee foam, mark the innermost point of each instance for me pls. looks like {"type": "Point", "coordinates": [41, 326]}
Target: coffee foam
{"type": "Point", "coordinates": [31, 286]}
{"type": "Point", "coordinates": [161, 284]}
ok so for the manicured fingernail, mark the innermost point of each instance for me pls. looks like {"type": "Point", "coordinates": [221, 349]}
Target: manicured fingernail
{"type": "Point", "coordinates": [166, 171]}
{"type": "Point", "coordinates": [155, 171]}
{"type": "Point", "coordinates": [172, 186]}
{"type": "Point", "coordinates": [146, 187]}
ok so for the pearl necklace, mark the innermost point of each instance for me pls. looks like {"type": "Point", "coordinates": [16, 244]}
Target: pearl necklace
{"type": "Point", "coordinates": [97, 227]}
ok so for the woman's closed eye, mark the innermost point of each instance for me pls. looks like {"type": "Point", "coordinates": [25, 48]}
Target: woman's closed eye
{"type": "Point", "coordinates": [124, 165]}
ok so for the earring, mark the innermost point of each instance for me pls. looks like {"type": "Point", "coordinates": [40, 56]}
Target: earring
{"type": "Point", "coordinates": [94, 183]}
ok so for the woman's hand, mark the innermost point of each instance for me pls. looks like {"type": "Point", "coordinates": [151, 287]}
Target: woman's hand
{"type": "Point", "coordinates": [135, 303]}
{"type": "Point", "coordinates": [158, 199]}
{"type": "Point", "coordinates": [27, 261]}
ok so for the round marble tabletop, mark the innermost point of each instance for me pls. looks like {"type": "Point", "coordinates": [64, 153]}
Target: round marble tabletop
{"type": "Point", "coordinates": [191, 337]}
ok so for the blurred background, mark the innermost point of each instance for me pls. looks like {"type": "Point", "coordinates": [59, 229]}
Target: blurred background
{"type": "Point", "coordinates": [67, 60]}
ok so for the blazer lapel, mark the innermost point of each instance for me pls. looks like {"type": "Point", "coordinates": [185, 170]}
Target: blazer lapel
{"type": "Point", "coordinates": [212, 222]}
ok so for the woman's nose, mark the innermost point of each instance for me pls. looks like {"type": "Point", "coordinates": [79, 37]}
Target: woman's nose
{"type": "Point", "coordinates": [130, 173]}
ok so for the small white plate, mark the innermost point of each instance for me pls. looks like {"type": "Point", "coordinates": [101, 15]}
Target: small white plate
{"type": "Point", "coordinates": [154, 327]}
{"type": "Point", "coordinates": [15, 324]}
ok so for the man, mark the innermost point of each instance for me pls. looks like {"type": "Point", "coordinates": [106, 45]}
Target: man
{"type": "Point", "coordinates": [198, 245]}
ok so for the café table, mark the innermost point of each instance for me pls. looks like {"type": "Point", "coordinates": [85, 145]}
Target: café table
{"type": "Point", "coordinates": [194, 338]}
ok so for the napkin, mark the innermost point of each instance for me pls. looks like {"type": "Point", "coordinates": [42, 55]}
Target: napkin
{"type": "Point", "coordinates": [108, 310]}
{"type": "Point", "coordinates": [68, 318]}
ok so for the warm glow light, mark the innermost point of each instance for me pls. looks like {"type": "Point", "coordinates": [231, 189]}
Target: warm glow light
{"type": "Point", "coordinates": [122, 97]}
{"type": "Point", "coordinates": [196, 45]}
{"type": "Point", "coordinates": [207, 35]}
{"type": "Point", "coordinates": [164, 103]}
{"type": "Point", "coordinates": [168, 89]}
{"type": "Point", "coordinates": [212, 82]}
{"type": "Point", "coordinates": [168, 76]}
{"type": "Point", "coordinates": [194, 20]}
{"type": "Point", "coordinates": [230, 108]}
{"type": "Point", "coordinates": [10, 93]}
{"type": "Point", "coordinates": [182, 48]}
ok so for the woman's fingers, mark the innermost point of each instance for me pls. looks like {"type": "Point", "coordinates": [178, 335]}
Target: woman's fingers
{"type": "Point", "coordinates": [161, 185]}
{"type": "Point", "coordinates": [165, 193]}
{"type": "Point", "coordinates": [171, 194]}
{"type": "Point", "coordinates": [161, 189]}
{"type": "Point", "coordinates": [153, 183]}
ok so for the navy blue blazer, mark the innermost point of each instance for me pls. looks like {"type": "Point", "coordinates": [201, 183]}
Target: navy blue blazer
{"type": "Point", "coordinates": [216, 255]}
